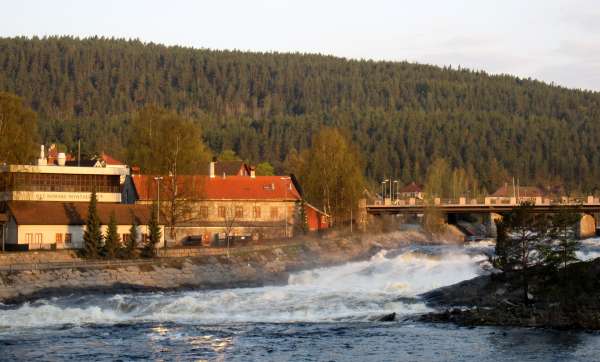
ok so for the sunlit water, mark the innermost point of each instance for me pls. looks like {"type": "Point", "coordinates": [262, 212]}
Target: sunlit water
{"type": "Point", "coordinates": [325, 314]}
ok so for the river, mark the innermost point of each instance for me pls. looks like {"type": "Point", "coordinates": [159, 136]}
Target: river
{"type": "Point", "coordinates": [325, 314]}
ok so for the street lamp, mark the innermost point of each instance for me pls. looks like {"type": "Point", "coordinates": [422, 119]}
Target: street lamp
{"type": "Point", "coordinates": [384, 187]}
{"type": "Point", "coordinates": [285, 208]}
{"type": "Point", "coordinates": [158, 179]}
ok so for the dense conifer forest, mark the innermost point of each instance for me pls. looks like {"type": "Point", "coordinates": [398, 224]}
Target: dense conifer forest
{"type": "Point", "coordinates": [265, 106]}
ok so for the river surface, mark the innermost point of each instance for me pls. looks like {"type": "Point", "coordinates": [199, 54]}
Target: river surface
{"type": "Point", "coordinates": [320, 315]}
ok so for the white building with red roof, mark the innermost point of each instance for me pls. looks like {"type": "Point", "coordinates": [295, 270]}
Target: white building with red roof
{"type": "Point", "coordinates": [211, 208]}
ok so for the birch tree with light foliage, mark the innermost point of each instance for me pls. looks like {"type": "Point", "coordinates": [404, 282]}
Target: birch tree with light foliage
{"type": "Point", "coordinates": [18, 130]}
{"type": "Point", "coordinates": [163, 142]}
{"type": "Point", "coordinates": [331, 174]}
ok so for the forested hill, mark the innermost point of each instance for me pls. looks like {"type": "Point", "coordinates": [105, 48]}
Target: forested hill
{"type": "Point", "coordinates": [401, 115]}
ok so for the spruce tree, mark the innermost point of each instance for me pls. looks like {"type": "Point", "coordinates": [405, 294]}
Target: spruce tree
{"type": "Point", "coordinates": [112, 240]}
{"type": "Point", "coordinates": [134, 235]}
{"type": "Point", "coordinates": [522, 234]}
{"type": "Point", "coordinates": [562, 250]}
{"type": "Point", "coordinates": [92, 236]}
{"type": "Point", "coordinates": [154, 235]}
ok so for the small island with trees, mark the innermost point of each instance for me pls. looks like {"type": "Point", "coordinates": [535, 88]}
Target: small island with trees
{"type": "Point", "coordinates": [537, 280]}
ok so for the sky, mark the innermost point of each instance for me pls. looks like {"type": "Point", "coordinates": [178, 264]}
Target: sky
{"type": "Point", "coordinates": [556, 41]}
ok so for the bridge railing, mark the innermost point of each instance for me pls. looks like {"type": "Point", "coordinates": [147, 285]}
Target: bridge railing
{"type": "Point", "coordinates": [489, 200]}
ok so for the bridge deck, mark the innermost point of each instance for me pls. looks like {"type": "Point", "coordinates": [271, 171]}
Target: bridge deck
{"type": "Point", "coordinates": [476, 208]}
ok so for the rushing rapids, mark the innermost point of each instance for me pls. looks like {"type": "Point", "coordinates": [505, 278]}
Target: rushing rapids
{"type": "Point", "coordinates": [388, 282]}
{"type": "Point", "coordinates": [332, 308]}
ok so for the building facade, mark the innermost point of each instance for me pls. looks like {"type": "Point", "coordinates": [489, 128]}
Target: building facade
{"type": "Point", "coordinates": [33, 225]}
{"type": "Point", "coordinates": [211, 209]}
{"type": "Point", "coordinates": [508, 194]}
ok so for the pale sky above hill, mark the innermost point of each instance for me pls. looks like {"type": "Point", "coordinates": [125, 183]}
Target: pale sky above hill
{"type": "Point", "coordinates": [551, 40]}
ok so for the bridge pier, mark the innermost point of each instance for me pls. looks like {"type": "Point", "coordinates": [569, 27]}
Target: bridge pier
{"type": "Point", "coordinates": [586, 227]}
{"type": "Point", "coordinates": [489, 220]}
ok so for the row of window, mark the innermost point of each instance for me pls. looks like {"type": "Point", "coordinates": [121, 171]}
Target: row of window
{"type": "Point", "coordinates": [24, 181]}
{"type": "Point", "coordinates": [67, 238]}
{"type": "Point", "coordinates": [238, 212]}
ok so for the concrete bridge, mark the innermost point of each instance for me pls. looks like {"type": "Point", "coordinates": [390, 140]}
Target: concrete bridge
{"type": "Point", "coordinates": [491, 208]}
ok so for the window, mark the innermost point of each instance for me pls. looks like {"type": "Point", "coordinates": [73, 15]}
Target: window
{"type": "Point", "coordinates": [125, 238]}
{"type": "Point", "coordinates": [222, 211]}
{"type": "Point", "coordinates": [239, 212]}
{"type": "Point", "coordinates": [204, 212]}
{"type": "Point", "coordinates": [68, 238]}
{"type": "Point", "coordinates": [256, 212]}
{"type": "Point", "coordinates": [58, 238]}
{"type": "Point", "coordinates": [274, 213]}
{"type": "Point", "coordinates": [29, 238]}
{"type": "Point", "coordinates": [39, 239]}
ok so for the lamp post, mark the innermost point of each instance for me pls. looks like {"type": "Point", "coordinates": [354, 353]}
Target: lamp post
{"type": "Point", "coordinates": [158, 179]}
{"type": "Point", "coordinates": [285, 206]}
{"type": "Point", "coordinates": [384, 189]}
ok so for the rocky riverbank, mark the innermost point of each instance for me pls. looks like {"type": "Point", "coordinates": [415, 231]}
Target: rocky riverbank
{"type": "Point", "coordinates": [240, 269]}
{"type": "Point", "coordinates": [564, 299]}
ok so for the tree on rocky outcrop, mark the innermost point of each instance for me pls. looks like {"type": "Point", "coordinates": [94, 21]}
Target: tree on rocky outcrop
{"type": "Point", "coordinates": [562, 250]}
{"type": "Point", "coordinates": [522, 235]}
{"type": "Point", "coordinates": [112, 240]}
{"type": "Point", "coordinates": [154, 235]}
{"type": "Point", "coordinates": [92, 235]}
{"type": "Point", "coordinates": [134, 235]}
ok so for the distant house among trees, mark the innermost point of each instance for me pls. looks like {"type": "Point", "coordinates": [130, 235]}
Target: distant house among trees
{"type": "Point", "coordinates": [507, 194]}
{"type": "Point", "coordinates": [412, 190]}
{"type": "Point", "coordinates": [228, 168]}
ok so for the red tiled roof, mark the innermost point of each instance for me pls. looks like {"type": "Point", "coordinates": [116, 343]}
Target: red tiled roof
{"type": "Point", "coordinates": [218, 188]}
{"type": "Point", "coordinates": [411, 187]}
{"type": "Point", "coordinates": [74, 213]}
{"type": "Point", "coordinates": [522, 191]}
{"type": "Point", "coordinates": [109, 160]}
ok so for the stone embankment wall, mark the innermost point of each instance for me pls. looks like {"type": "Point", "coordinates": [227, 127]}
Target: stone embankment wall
{"type": "Point", "coordinates": [269, 264]}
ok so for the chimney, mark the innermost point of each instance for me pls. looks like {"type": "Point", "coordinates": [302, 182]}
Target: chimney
{"type": "Point", "coordinates": [42, 161]}
{"type": "Point", "coordinates": [62, 158]}
{"type": "Point", "coordinates": [211, 169]}
{"type": "Point", "coordinates": [253, 172]}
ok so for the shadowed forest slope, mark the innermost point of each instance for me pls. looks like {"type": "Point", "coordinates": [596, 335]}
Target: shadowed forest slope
{"type": "Point", "coordinates": [267, 105]}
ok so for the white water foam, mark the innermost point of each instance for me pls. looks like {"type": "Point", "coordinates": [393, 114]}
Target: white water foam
{"type": "Point", "coordinates": [388, 282]}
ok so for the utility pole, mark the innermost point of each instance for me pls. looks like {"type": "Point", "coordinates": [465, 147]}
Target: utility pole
{"type": "Point", "coordinates": [158, 179]}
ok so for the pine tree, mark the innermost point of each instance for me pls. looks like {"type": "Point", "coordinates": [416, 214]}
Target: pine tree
{"type": "Point", "coordinates": [564, 244]}
{"type": "Point", "coordinates": [302, 219]}
{"type": "Point", "coordinates": [92, 236]}
{"type": "Point", "coordinates": [112, 240]}
{"type": "Point", "coordinates": [134, 235]}
{"type": "Point", "coordinates": [522, 234]}
{"type": "Point", "coordinates": [154, 235]}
